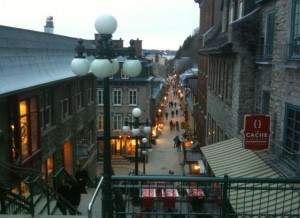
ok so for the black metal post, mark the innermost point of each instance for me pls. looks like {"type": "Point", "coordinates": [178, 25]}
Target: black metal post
{"type": "Point", "coordinates": [144, 164]}
{"type": "Point", "coordinates": [107, 209]}
{"type": "Point", "coordinates": [136, 160]}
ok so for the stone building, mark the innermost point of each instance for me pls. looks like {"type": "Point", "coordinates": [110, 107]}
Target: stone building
{"type": "Point", "coordinates": [127, 93]}
{"type": "Point", "coordinates": [277, 83]}
{"type": "Point", "coordinates": [47, 113]}
{"type": "Point", "coordinates": [248, 60]}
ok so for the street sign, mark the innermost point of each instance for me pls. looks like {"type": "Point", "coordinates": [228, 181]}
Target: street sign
{"type": "Point", "coordinates": [256, 132]}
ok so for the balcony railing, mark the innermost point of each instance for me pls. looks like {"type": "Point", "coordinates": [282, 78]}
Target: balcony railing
{"type": "Point", "coordinates": [290, 157]}
{"type": "Point", "coordinates": [282, 52]}
{"type": "Point", "coordinates": [182, 196]}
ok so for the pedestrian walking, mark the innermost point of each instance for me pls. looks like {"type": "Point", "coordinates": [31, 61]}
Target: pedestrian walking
{"type": "Point", "coordinates": [171, 104]}
{"type": "Point", "coordinates": [63, 191]}
{"type": "Point", "coordinates": [68, 191]}
{"type": "Point", "coordinates": [172, 113]}
{"type": "Point", "coordinates": [82, 178]}
{"type": "Point", "coordinates": [177, 125]}
{"type": "Point", "coordinates": [171, 125]}
{"type": "Point", "coordinates": [74, 198]}
{"type": "Point", "coordinates": [176, 112]}
{"type": "Point", "coordinates": [177, 143]}
{"type": "Point", "coordinates": [166, 114]}
{"type": "Point", "coordinates": [175, 104]}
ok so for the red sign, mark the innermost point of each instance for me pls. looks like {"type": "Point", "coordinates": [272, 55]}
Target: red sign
{"type": "Point", "coordinates": [256, 132]}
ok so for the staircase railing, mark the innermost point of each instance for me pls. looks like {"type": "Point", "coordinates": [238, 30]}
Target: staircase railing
{"type": "Point", "coordinates": [90, 207]}
{"type": "Point", "coordinates": [12, 203]}
{"type": "Point", "coordinates": [39, 188]}
{"type": "Point", "coordinates": [60, 175]}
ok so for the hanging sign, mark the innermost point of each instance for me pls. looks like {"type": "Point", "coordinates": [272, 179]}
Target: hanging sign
{"type": "Point", "coordinates": [256, 132]}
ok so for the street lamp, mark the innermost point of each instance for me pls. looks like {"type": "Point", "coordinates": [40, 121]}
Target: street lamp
{"type": "Point", "coordinates": [136, 126]}
{"type": "Point", "coordinates": [104, 65]}
{"type": "Point", "coordinates": [145, 150]}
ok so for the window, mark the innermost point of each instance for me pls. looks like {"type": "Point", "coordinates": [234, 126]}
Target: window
{"type": "Point", "coordinates": [231, 14]}
{"type": "Point", "coordinates": [292, 130]}
{"type": "Point", "coordinates": [89, 91]}
{"type": "Point", "coordinates": [265, 102]}
{"type": "Point", "coordinates": [220, 78]}
{"type": "Point", "coordinates": [117, 122]}
{"type": "Point", "coordinates": [130, 118]}
{"type": "Point", "coordinates": [100, 96]}
{"type": "Point", "coordinates": [117, 96]}
{"type": "Point", "coordinates": [270, 30]}
{"type": "Point", "coordinates": [65, 101]}
{"type": "Point", "coordinates": [28, 126]}
{"type": "Point", "coordinates": [228, 82]}
{"type": "Point", "coordinates": [79, 91]}
{"type": "Point", "coordinates": [241, 9]}
{"type": "Point", "coordinates": [295, 35]}
{"type": "Point", "coordinates": [123, 75]}
{"type": "Point", "coordinates": [100, 122]}
{"type": "Point", "coordinates": [133, 96]}
{"type": "Point", "coordinates": [46, 110]}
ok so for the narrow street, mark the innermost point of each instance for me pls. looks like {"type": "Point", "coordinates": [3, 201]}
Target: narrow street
{"type": "Point", "coordinates": [164, 157]}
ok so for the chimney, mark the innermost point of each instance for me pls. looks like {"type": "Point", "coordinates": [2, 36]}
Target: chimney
{"type": "Point", "coordinates": [138, 47]}
{"type": "Point", "coordinates": [49, 25]}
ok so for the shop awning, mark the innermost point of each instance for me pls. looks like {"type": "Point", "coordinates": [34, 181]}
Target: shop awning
{"type": "Point", "coordinates": [229, 157]}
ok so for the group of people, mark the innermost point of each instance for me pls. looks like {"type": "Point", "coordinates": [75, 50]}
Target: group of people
{"type": "Point", "coordinates": [70, 190]}
{"type": "Point", "coordinates": [172, 114]}
{"type": "Point", "coordinates": [171, 104]}
{"type": "Point", "coordinates": [174, 125]}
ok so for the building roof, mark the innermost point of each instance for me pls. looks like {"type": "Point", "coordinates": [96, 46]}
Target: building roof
{"type": "Point", "coordinates": [230, 158]}
{"type": "Point", "coordinates": [30, 58]}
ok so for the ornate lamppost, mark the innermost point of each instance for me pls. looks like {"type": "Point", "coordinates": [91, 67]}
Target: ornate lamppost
{"type": "Point", "coordinates": [145, 150]}
{"type": "Point", "coordinates": [136, 125]}
{"type": "Point", "coordinates": [104, 65]}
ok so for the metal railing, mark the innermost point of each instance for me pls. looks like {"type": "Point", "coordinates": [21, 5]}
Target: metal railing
{"type": "Point", "coordinates": [206, 197]}
{"type": "Point", "coordinates": [12, 203]}
{"type": "Point", "coordinates": [282, 52]}
{"type": "Point", "coordinates": [290, 157]}
{"type": "Point", "coordinates": [40, 190]}
{"type": "Point", "coordinates": [90, 207]}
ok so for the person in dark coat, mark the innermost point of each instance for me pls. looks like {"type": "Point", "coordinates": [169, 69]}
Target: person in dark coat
{"type": "Point", "coordinates": [68, 191]}
{"type": "Point", "coordinates": [63, 192]}
{"type": "Point", "coordinates": [171, 125]}
{"type": "Point", "coordinates": [74, 198]}
{"type": "Point", "coordinates": [176, 142]}
{"type": "Point", "coordinates": [177, 125]}
{"type": "Point", "coordinates": [82, 178]}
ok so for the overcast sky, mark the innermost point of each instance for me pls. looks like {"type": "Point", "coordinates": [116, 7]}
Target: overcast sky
{"type": "Point", "coordinates": [160, 24]}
